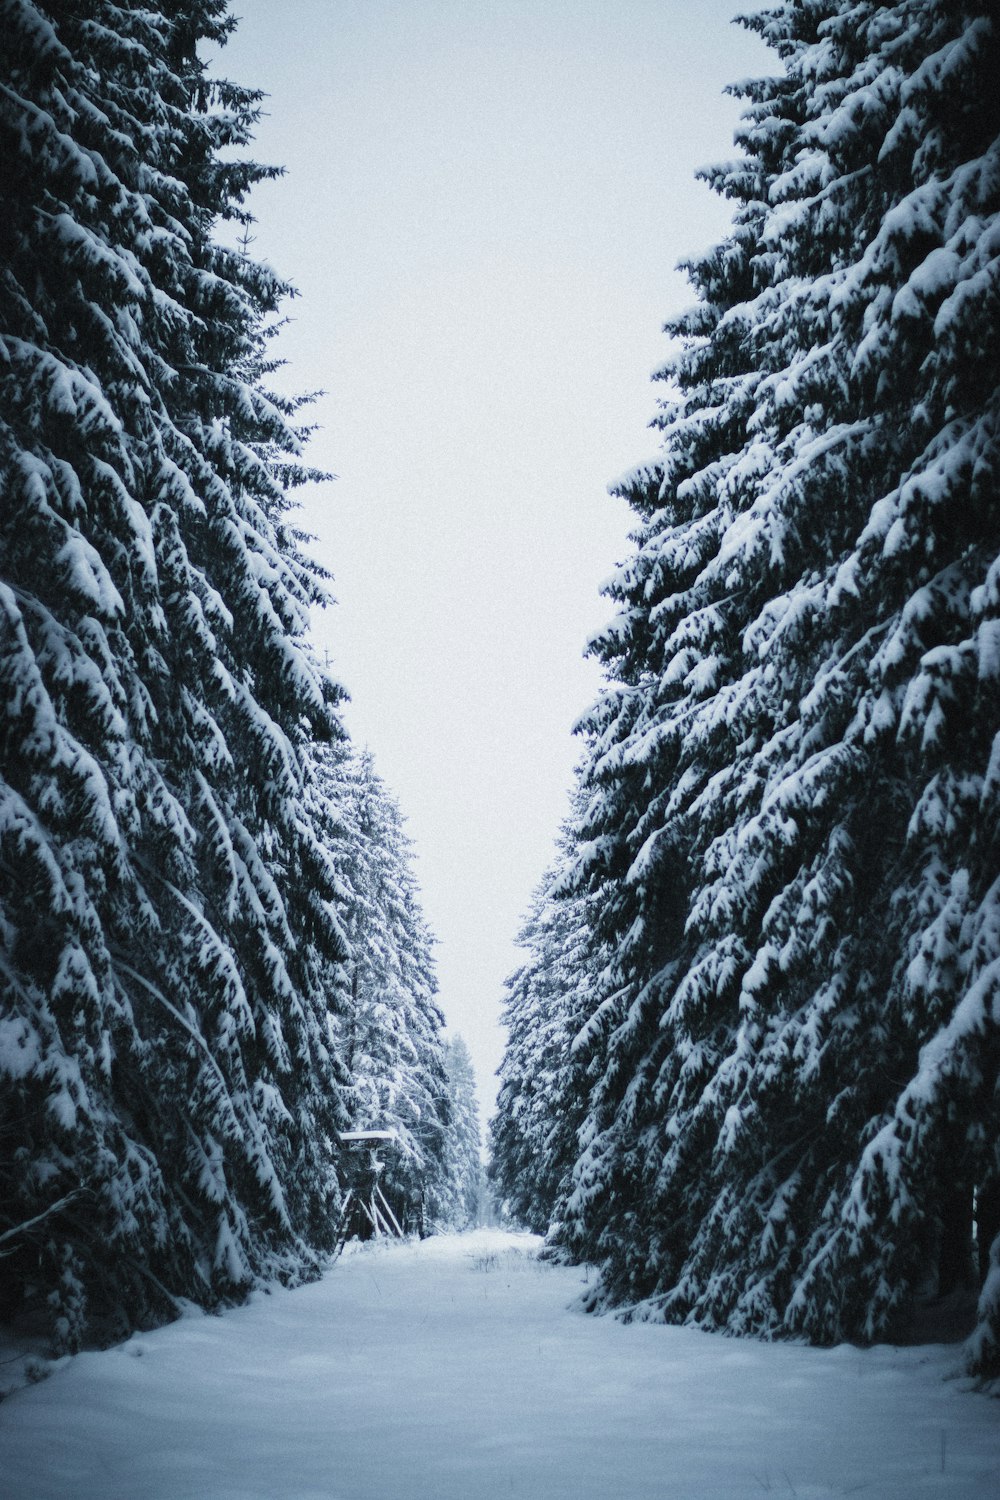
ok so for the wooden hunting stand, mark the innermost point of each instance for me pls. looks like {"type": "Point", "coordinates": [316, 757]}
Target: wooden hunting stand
{"type": "Point", "coordinates": [365, 1199]}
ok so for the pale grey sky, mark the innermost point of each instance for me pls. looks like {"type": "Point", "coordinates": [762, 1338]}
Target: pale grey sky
{"type": "Point", "coordinates": [484, 204]}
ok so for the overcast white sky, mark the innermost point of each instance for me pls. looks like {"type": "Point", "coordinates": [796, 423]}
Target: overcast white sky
{"type": "Point", "coordinates": [484, 204]}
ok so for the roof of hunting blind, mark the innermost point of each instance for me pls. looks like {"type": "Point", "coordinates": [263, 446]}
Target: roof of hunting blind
{"type": "Point", "coordinates": [361, 1137]}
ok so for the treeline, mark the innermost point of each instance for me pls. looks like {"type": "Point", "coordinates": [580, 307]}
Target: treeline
{"type": "Point", "coordinates": [754, 1052]}
{"type": "Point", "coordinates": [212, 956]}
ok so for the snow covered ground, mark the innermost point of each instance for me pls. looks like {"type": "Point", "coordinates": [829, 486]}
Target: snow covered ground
{"type": "Point", "coordinates": [456, 1370]}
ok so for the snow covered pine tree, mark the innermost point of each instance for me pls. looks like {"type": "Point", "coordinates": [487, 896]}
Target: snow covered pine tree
{"type": "Point", "coordinates": [544, 1084]}
{"type": "Point", "coordinates": [389, 1023]}
{"type": "Point", "coordinates": [168, 1093]}
{"type": "Point", "coordinates": [795, 770]}
{"type": "Point", "coordinates": [461, 1192]}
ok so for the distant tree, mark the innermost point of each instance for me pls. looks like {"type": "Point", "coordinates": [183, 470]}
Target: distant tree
{"type": "Point", "coordinates": [456, 1197]}
{"type": "Point", "coordinates": [169, 1086]}
{"type": "Point", "coordinates": [389, 1026]}
{"type": "Point", "coordinates": [794, 820]}
{"type": "Point", "coordinates": [543, 1075]}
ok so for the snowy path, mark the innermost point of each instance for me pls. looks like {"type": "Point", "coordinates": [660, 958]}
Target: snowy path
{"type": "Point", "coordinates": [453, 1370]}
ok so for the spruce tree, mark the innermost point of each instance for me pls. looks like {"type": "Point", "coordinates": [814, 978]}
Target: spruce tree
{"type": "Point", "coordinates": [389, 1026]}
{"type": "Point", "coordinates": [551, 1012]}
{"type": "Point", "coordinates": [169, 1089]}
{"type": "Point", "coordinates": [457, 1197]}
{"type": "Point", "coordinates": [794, 826]}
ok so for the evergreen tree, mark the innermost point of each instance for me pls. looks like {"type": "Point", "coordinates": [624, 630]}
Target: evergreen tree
{"type": "Point", "coordinates": [794, 827]}
{"type": "Point", "coordinates": [456, 1200]}
{"type": "Point", "coordinates": [390, 1027]}
{"type": "Point", "coordinates": [169, 1090]}
{"type": "Point", "coordinates": [550, 1012]}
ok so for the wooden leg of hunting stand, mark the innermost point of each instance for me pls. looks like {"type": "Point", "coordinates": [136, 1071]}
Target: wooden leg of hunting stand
{"type": "Point", "coordinates": [344, 1223]}
{"type": "Point", "coordinates": [392, 1217]}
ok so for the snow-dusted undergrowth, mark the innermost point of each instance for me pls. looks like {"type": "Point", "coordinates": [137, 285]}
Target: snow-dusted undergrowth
{"type": "Point", "coordinates": [458, 1369]}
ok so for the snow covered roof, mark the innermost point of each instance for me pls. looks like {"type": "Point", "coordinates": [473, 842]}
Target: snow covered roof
{"type": "Point", "coordinates": [351, 1136]}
